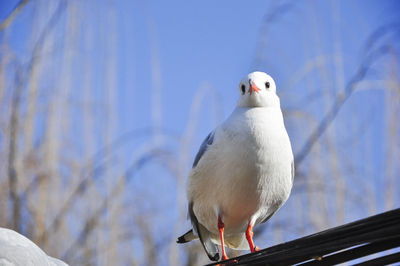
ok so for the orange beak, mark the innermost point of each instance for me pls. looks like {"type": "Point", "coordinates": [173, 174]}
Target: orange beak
{"type": "Point", "coordinates": [253, 87]}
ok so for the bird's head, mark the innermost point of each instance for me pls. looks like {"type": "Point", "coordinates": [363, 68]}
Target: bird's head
{"type": "Point", "coordinates": [257, 89]}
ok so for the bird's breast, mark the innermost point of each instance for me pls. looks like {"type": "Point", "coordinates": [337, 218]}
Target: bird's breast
{"type": "Point", "coordinates": [256, 173]}
{"type": "Point", "coordinates": [248, 172]}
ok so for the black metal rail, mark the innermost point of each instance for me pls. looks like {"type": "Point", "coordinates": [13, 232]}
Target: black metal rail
{"type": "Point", "coordinates": [336, 245]}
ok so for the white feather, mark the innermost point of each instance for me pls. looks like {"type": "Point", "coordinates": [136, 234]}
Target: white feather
{"type": "Point", "coordinates": [17, 250]}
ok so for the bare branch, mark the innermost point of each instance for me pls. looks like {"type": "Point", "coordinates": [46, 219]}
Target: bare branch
{"type": "Point", "coordinates": [94, 219]}
{"type": "Point", "coordinates": [13, 14]}
{"type": "Point", "coordinates": [341, 98]}
{"type": "Point", "coordinates": [92, 174]}
{"type": "Point", "coordinates": [12, 172]}
{"type": "Point", "coordinates": [272, 16]}
{"type": "Point", "coordinates": [20, 83]}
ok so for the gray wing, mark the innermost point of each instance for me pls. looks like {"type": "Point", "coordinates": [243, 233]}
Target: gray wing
{"type": "Point", "coordinates": [203, 148]}
{"type": "Point", "coordinates": [204, 235]}
{"type": "Point", "coordinates": [267, 218]}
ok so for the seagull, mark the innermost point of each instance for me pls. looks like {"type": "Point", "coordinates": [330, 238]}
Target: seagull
{"type": "Point", "coordinates": [17, 250]}
{"type": "Point", "coordinates": [243, 172]}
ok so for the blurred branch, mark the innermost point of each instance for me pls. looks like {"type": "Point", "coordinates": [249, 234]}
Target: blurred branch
{"type": "Point", "coordinates": [13, 135]}
{"type": "Point", "coordinates": [13, 14]}
{"type": "Point", "coordinates": [350, 87]}
{"type": "Point", "coordinates": [85, 182]}
{"type": "Point", "coordinates": [150, 250]}
{"type": "Point", "coordinates": [341, 98]}
{"type": "Point", "coordinates": [44, 34]}
{"type": "Point", "coordinates": [272, 16]}
{"type": "Point", "coordinates": [20, 82]}
{"type": "Point", "coordinates": [94, 219]}
{"type": "Point", "coordinates": [379, 33]}
{"type": "Point", "coordinates": [104, 247]}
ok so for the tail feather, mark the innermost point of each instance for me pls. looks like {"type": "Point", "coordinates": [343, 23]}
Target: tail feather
{"type": "Point", "coordinates": [187, 237]}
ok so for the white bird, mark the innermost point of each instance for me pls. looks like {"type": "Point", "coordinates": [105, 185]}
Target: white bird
{"type": "Point", "coordinates": [243, 172]}
{"type": "Point", "coordinates": [17, 250]}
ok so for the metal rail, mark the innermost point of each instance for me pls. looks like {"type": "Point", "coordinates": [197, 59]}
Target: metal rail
{"type": "Point", "coordinates": [336, 245]}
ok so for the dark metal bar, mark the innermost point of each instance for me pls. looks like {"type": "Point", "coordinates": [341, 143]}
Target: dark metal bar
{"type": "Point", "coordinates": [355, 253]}
{"type": "Point", "coordinates": [382, 228]}
{"type": "Point", "coordinates": [307, 252]}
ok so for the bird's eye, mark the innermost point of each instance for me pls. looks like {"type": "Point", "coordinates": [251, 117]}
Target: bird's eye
{"type": "Point", "coordinates": [267, 85]}
{"type": "Point", "coordinates": [243, 88]}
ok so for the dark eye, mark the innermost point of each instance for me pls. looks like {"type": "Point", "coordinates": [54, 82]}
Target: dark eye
{"type": "Point", "coordinates": [243, 88]}
{"type": "Point", "coordinates": [267, 85]}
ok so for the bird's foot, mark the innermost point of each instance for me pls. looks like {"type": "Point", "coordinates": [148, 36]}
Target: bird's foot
{"type": "Point", "coordinates": [249, 237]}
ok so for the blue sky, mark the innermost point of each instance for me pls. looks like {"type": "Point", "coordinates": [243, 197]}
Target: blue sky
{"type": "Point", "coordinates": [214, 43]}
{"type": "Point", "coordinates": [196, 43]}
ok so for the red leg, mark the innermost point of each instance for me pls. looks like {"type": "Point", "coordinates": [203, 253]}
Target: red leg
{"type": "Point", "coordinates": [249, 237]}
{"type": "Point", "coordinates": [221, 235]}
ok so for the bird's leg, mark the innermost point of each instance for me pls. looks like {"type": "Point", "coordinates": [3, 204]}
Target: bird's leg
{"type": "Point", "coordinates": [221, 227]}
{"type": "Point", "coordinates": [249, 237]}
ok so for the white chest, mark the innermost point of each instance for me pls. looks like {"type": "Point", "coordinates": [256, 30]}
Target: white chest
{"type": "Point", "coordinates": [248, 171]}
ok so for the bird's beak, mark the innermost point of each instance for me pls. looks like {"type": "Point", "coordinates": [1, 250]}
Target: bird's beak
{"type": "Point", "coordinates": [253, 87]}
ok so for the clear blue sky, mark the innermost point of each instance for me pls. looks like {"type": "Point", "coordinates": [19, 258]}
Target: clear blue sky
{"type": "Point", "coordinates": [214, 42]}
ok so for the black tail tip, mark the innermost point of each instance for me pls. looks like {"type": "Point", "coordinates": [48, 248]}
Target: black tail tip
{"type": "Point", "coordinates": [181, 240]}
{"type": "Point", "coordinates": [215, 257]}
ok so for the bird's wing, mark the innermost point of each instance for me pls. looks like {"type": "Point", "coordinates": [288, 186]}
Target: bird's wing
{"type": "Point", "coordinates": [203, 148]}
{"type": "Point", "coordinates": [198, 229]}
{"type": "Point", "coordinates": [204, 235]}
